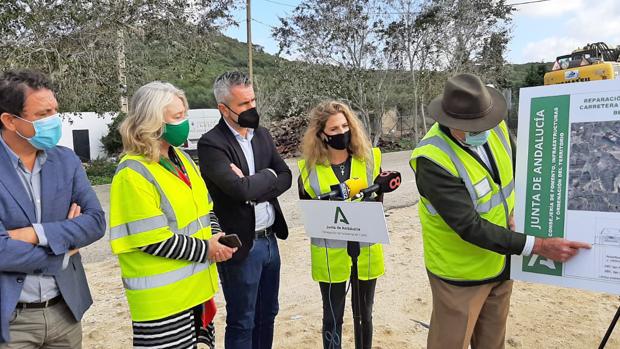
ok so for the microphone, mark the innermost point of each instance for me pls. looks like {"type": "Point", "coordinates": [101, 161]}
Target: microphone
{"type": "Point", "coordinates": [342, 191]}
{"type": "Point", "coordinates": [386, 182]}
{"type": "Point", "coordinates": [355, 185]}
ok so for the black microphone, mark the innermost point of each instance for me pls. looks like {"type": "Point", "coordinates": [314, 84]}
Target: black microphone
{"type": "Point", "coordinates": [386, 182]}
{"type": "Point", "coordinates": [344, 190]}
{"type": "Point", "coordinates": [338, 192]}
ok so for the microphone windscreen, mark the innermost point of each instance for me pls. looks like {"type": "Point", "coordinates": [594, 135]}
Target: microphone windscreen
{"type": "Point", "coordinates": [388, 181]}
{"type": "Point", "coordinates": [355, 185]}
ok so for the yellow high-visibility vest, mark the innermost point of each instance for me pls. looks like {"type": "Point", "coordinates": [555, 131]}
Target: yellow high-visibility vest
{"type": "Point", "coordinates": [148, 204]}
{"type": "Point", "coordinates": [330, 261]}
{"type": "Point", "coordinates": [446, 254]}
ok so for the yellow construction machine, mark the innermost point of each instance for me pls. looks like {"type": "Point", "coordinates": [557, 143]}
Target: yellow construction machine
{"type": "Point", "coordinates": [593, 62]}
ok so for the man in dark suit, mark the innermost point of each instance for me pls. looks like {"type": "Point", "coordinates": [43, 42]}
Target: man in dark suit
{"type": "Point", "coordinates": [245, 175]}
{"type": "Point", "coordinates": [48, 210]}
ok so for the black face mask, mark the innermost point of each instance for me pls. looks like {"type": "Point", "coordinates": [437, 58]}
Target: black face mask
{"type": "Point", "coordinates": [339, 141]}
{"type": "Point", "coordinates": [248, 118]}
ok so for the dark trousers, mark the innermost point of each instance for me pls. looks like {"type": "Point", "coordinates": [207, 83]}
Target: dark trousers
{"type": "Point", "coordinates": [251, 292]}
{"type": "Point", "coordinates": [333, 312]}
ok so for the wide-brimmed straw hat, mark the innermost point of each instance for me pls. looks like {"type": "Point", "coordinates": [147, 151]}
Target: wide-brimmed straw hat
{"type": "Point", "coordinates": [468, 105]}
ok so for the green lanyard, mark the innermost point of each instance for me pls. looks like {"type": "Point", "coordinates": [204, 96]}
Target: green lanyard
{"type": "Point", "coordinates": [179, 172]}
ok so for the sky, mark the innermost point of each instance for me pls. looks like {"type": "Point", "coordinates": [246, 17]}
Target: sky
{"type": "Point", "coordinates": [540, 31]}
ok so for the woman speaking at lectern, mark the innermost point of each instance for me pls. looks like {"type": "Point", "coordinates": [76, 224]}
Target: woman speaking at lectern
{"type": "Point", "coordinates": [335, 149]}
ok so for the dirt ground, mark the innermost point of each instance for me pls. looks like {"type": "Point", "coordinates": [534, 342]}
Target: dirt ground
{"type": "Point", "coordinates": [540, 317]}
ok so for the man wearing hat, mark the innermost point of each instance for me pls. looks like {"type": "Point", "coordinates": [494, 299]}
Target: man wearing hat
{"type": "Point", "coordinates": [464, 170]}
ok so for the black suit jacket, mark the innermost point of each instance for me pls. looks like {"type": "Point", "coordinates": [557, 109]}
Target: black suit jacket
{"type": "Point", "coordinates": [233, 196]}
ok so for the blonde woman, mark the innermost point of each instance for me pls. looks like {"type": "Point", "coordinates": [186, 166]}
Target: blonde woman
{"type": "Point", "coordinates": [162, 227]}
{"type": "Point", "coordinates": [336, 148]}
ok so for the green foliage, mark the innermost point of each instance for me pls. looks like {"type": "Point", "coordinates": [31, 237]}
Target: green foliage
{"type": "Point", "coordinates": [90, 49]}
{"type": "Point", "coordinates": [226, 54]}
{"type": "Point", "coordinates": [519, 72]}
{"type": "Point", "coordinates": [535, 75]}
{"type": "Point", "coordinates": [492, 66]}
{"type": "Point", "coordinates": [112, 142]}
{"type": "Point", "coordinates": [101, 171]}
{"type": "Point", "coordinates": [524, 75]}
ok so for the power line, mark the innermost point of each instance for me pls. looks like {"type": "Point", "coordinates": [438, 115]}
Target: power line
{"type": "Point", "coordinates": [280, 3]}
{"type": "Point", "coordinates": [397, 13]}
{"type": "Point", "coordinates": [265, 24]}
{"type": "Point", "coordinates": [371, 13]}
{"type": "Point", "coordinates": [387, 13]}
{"type": "Point", "coordinates": [524, 3]}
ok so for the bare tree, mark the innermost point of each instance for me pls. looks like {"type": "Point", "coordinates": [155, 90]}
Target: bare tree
{"type": "Point", "coordinates": [468, 25]}
{"type": "Point", "coordinates": [411, 38]}
{"type": "Point", "coordinates": [433, 39]}
{"type": "Point", "coordinates": [345, 35]}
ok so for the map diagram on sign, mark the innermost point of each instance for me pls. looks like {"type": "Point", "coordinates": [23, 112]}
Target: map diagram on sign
{"type": "Point", "coordinates": [608, 253]}
{"type": "Point", "coordinates": [594, 167]}
{"type": "Point", "coordinates": [604, 256]}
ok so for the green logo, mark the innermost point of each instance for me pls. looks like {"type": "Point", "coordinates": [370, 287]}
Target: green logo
{"type": "Point", "coordinates": [340, 217]}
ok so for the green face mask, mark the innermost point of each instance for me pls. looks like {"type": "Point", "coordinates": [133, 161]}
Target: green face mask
{"type": "Point", "coordinates": [176, 134]}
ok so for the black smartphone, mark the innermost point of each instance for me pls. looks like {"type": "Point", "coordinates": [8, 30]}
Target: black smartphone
{"type": "Point", "coordinates": [230, 240]}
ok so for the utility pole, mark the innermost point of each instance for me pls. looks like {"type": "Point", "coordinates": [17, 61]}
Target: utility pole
{"type": "Point", "coordinates": [249, 36]}
{"type": "Point", "coordinates": [122, 67]}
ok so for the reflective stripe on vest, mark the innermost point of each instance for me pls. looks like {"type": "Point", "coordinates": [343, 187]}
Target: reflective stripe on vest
{"type": "Point", "coordinates": [147, 282]}
{"type": "Point", "coordinates": [460, 168]}
{"type": "Point", "coordinates": [446, 254]}
{"type": "Point", "coordinates": [138, 226]}
{"type": "Point", "coordinates": [500, 133]}
{"type": "Point", "coordinates": [497, 198]}
{"type": "Point", "coordinates": [151, 223]}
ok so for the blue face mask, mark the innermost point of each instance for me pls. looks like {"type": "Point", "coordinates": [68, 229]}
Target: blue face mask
{"type": "Point", "coordinates": [476, 139]}
{"type": "Point", "coordinates": [47, 132]}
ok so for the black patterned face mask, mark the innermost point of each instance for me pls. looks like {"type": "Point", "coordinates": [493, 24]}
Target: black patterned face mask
{"type": "Point", "coordinates": [338, 141]}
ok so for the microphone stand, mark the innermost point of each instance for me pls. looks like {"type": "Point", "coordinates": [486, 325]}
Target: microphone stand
{"type": "Point", "coordinates": [610, 329]}
{"type": "Point", "coordinates": [353, 249]}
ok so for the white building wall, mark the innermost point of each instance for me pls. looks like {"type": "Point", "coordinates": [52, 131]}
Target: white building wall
{"type": "Point", "coordinates": [201, 121]}
{"type": "Point", "coordinates": [97, 126]}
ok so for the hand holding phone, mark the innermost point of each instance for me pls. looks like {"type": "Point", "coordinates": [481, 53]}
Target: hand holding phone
{"type": "Point", "coordinates": [230, 240]}
{"type": "Point", "coordinates": [217, 251]}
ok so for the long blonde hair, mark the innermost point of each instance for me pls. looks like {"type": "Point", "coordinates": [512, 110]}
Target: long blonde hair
{"type": "Point", "coordinates": [142, 129]}
{"type": "Point", "coordinates": [313, 147]}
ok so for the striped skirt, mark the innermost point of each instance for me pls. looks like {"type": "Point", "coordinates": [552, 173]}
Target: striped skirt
{"type": "Point", "coordinates": [180, 331]}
